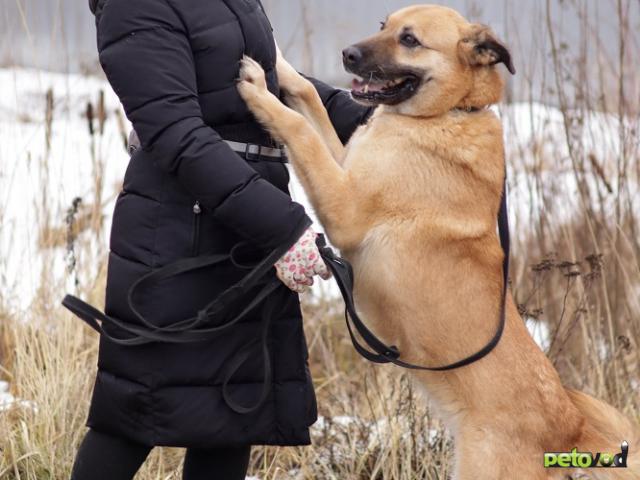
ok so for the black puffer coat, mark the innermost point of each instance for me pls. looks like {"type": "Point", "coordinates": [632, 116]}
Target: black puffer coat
{"type": "Point", "coordinates": [173, 64]}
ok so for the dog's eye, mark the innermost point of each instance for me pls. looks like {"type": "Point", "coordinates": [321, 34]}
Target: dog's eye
{"type": "Point", "coordinates": [382, 25]}
{"type": "Point", "coordinates": [408, 40]}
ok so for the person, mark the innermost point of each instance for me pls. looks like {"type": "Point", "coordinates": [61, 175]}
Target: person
{"type": "Point", "coordinates": [205, 178]}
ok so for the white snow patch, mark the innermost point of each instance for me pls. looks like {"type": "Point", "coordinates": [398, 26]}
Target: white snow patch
{"type": "Point", "coordinates": [33, 175]}
{"type": "Point", "coordinates": [8, 401]}
{"type": "Point", "coordinates": [542, 180]}
{"type": "Point", "coordinates": [540, 332]}
{"type": "Point", "coordinates": [26, 163]}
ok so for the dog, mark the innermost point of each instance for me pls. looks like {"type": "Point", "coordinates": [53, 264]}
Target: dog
{"type": "Point", "coordinates": [411, 201]}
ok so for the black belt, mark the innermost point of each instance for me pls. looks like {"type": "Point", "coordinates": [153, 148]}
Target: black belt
{"type": "Point", "coordinates": [198, 328]}
{"type": "Point", "coordinates": [255, 152]}
{"type": "Point", "coordinates": [251, 152]}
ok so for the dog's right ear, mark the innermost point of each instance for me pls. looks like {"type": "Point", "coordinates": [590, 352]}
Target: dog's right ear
{"type": "Point", "coordinates": [479, 46]}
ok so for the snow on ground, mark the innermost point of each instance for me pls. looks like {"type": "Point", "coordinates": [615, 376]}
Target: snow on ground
{"type": "Point", "coordinates": [25, 163]}
{"type": "Point", "coordinates": [33, 175]}
{"type": "Point", "coordinates": [8, 401]}
{"type": "Point", "coordinates": [536, 142]}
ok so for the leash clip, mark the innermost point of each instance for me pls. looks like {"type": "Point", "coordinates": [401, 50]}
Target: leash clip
{"type": "Point", "coordinates": [393, 352]}
{"type": "Point", "coordinates": [326, 251]}
{"type": "Point", "coordinates": [203, 316]}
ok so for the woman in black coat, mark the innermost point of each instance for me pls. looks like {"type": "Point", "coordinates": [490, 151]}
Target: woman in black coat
{"type": "Point", "coordinates": [205, 178]}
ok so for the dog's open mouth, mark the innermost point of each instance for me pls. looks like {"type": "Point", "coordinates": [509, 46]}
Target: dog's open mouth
{"type": "Point", "coordinates": [389, 90]}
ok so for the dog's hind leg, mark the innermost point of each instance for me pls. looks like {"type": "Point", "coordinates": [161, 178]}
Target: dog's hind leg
{"type": "Point", "coordinates": [328, 186]}
{"type": "Point", "coordinates": [301, 96]}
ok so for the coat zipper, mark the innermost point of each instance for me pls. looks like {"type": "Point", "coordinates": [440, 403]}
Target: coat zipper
{"type": "Point", "coordinates": [195, 240]}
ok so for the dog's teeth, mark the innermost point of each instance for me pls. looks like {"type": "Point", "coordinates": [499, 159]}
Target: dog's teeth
{"type": "Point", "coordinates": [366, 88]}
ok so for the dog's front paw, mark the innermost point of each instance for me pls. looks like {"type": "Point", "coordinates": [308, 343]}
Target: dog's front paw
{"type": "Point", "coordinates": [252, 73]}
{"type": "Point", "coordinates": [252, 84]}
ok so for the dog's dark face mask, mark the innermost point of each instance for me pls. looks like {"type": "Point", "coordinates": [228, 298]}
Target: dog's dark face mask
{"type": "Point", "coordinates": [381, 80]}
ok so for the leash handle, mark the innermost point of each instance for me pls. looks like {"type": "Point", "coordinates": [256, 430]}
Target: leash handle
{"type": "Point", "coordinates": [268, 312]}
{"type": "Point", "coordinates": [195, 329]}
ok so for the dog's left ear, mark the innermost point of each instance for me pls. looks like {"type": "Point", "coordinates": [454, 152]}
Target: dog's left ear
{"type": "Point", "coordinates": [480, 47]}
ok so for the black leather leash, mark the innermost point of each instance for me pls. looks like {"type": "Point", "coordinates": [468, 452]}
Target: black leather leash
{"type": "Point", "coordinates": [343, 274]}
{"type": "Point", "coordinates": [203, 326]}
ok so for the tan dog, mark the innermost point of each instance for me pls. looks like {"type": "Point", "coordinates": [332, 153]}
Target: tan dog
{"type": "Point", "coordinates": [411, 201]}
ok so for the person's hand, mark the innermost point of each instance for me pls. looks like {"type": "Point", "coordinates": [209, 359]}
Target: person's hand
{"type": "Point", "coordinates": [301, 263]}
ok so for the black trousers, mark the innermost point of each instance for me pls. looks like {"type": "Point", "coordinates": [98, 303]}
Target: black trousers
{"type": "Point", "coordinates": [105, 457]}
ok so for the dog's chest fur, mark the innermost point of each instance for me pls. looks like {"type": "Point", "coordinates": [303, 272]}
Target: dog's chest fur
{"type": "Point", "coordinates": [440, 159]}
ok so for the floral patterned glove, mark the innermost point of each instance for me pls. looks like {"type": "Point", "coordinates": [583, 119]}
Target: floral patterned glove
{"type": "Point", "coordinates": [298, 266]}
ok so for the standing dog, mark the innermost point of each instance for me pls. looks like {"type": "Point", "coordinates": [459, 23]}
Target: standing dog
{"type": "Point", "coordinates": [411, 201]}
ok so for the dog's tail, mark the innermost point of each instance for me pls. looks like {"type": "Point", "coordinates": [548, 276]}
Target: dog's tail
{"type": "Point", "coordinates": [604, 431]}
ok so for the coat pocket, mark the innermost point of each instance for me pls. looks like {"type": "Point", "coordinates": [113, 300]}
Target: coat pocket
{"type": "Point", "coordinates": [195, 233]}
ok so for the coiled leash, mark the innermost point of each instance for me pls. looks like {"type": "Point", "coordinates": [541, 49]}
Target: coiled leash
{"type": "Point", "coordinates": [203, 326]}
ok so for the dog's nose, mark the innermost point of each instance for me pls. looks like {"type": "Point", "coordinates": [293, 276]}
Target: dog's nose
{"type": "Point", "coordinates": [351, 55]}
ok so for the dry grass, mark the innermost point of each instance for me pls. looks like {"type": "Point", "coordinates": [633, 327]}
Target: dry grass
{"type": "Point", "coordinates": [580, 278]}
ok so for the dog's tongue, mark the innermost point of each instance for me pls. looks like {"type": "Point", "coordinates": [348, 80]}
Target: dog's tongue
{"type": "Point", "coordinates": [364, 86]}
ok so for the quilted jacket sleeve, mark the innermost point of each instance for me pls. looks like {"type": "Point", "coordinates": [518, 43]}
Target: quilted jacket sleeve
{"type": "Point", "coordinates": [346, 114]}
{"type": "Point", "coordinates": [145, 52]}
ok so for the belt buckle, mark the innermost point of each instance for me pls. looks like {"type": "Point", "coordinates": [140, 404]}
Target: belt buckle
{"type": "Point", "coordinates": [252, 156]}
